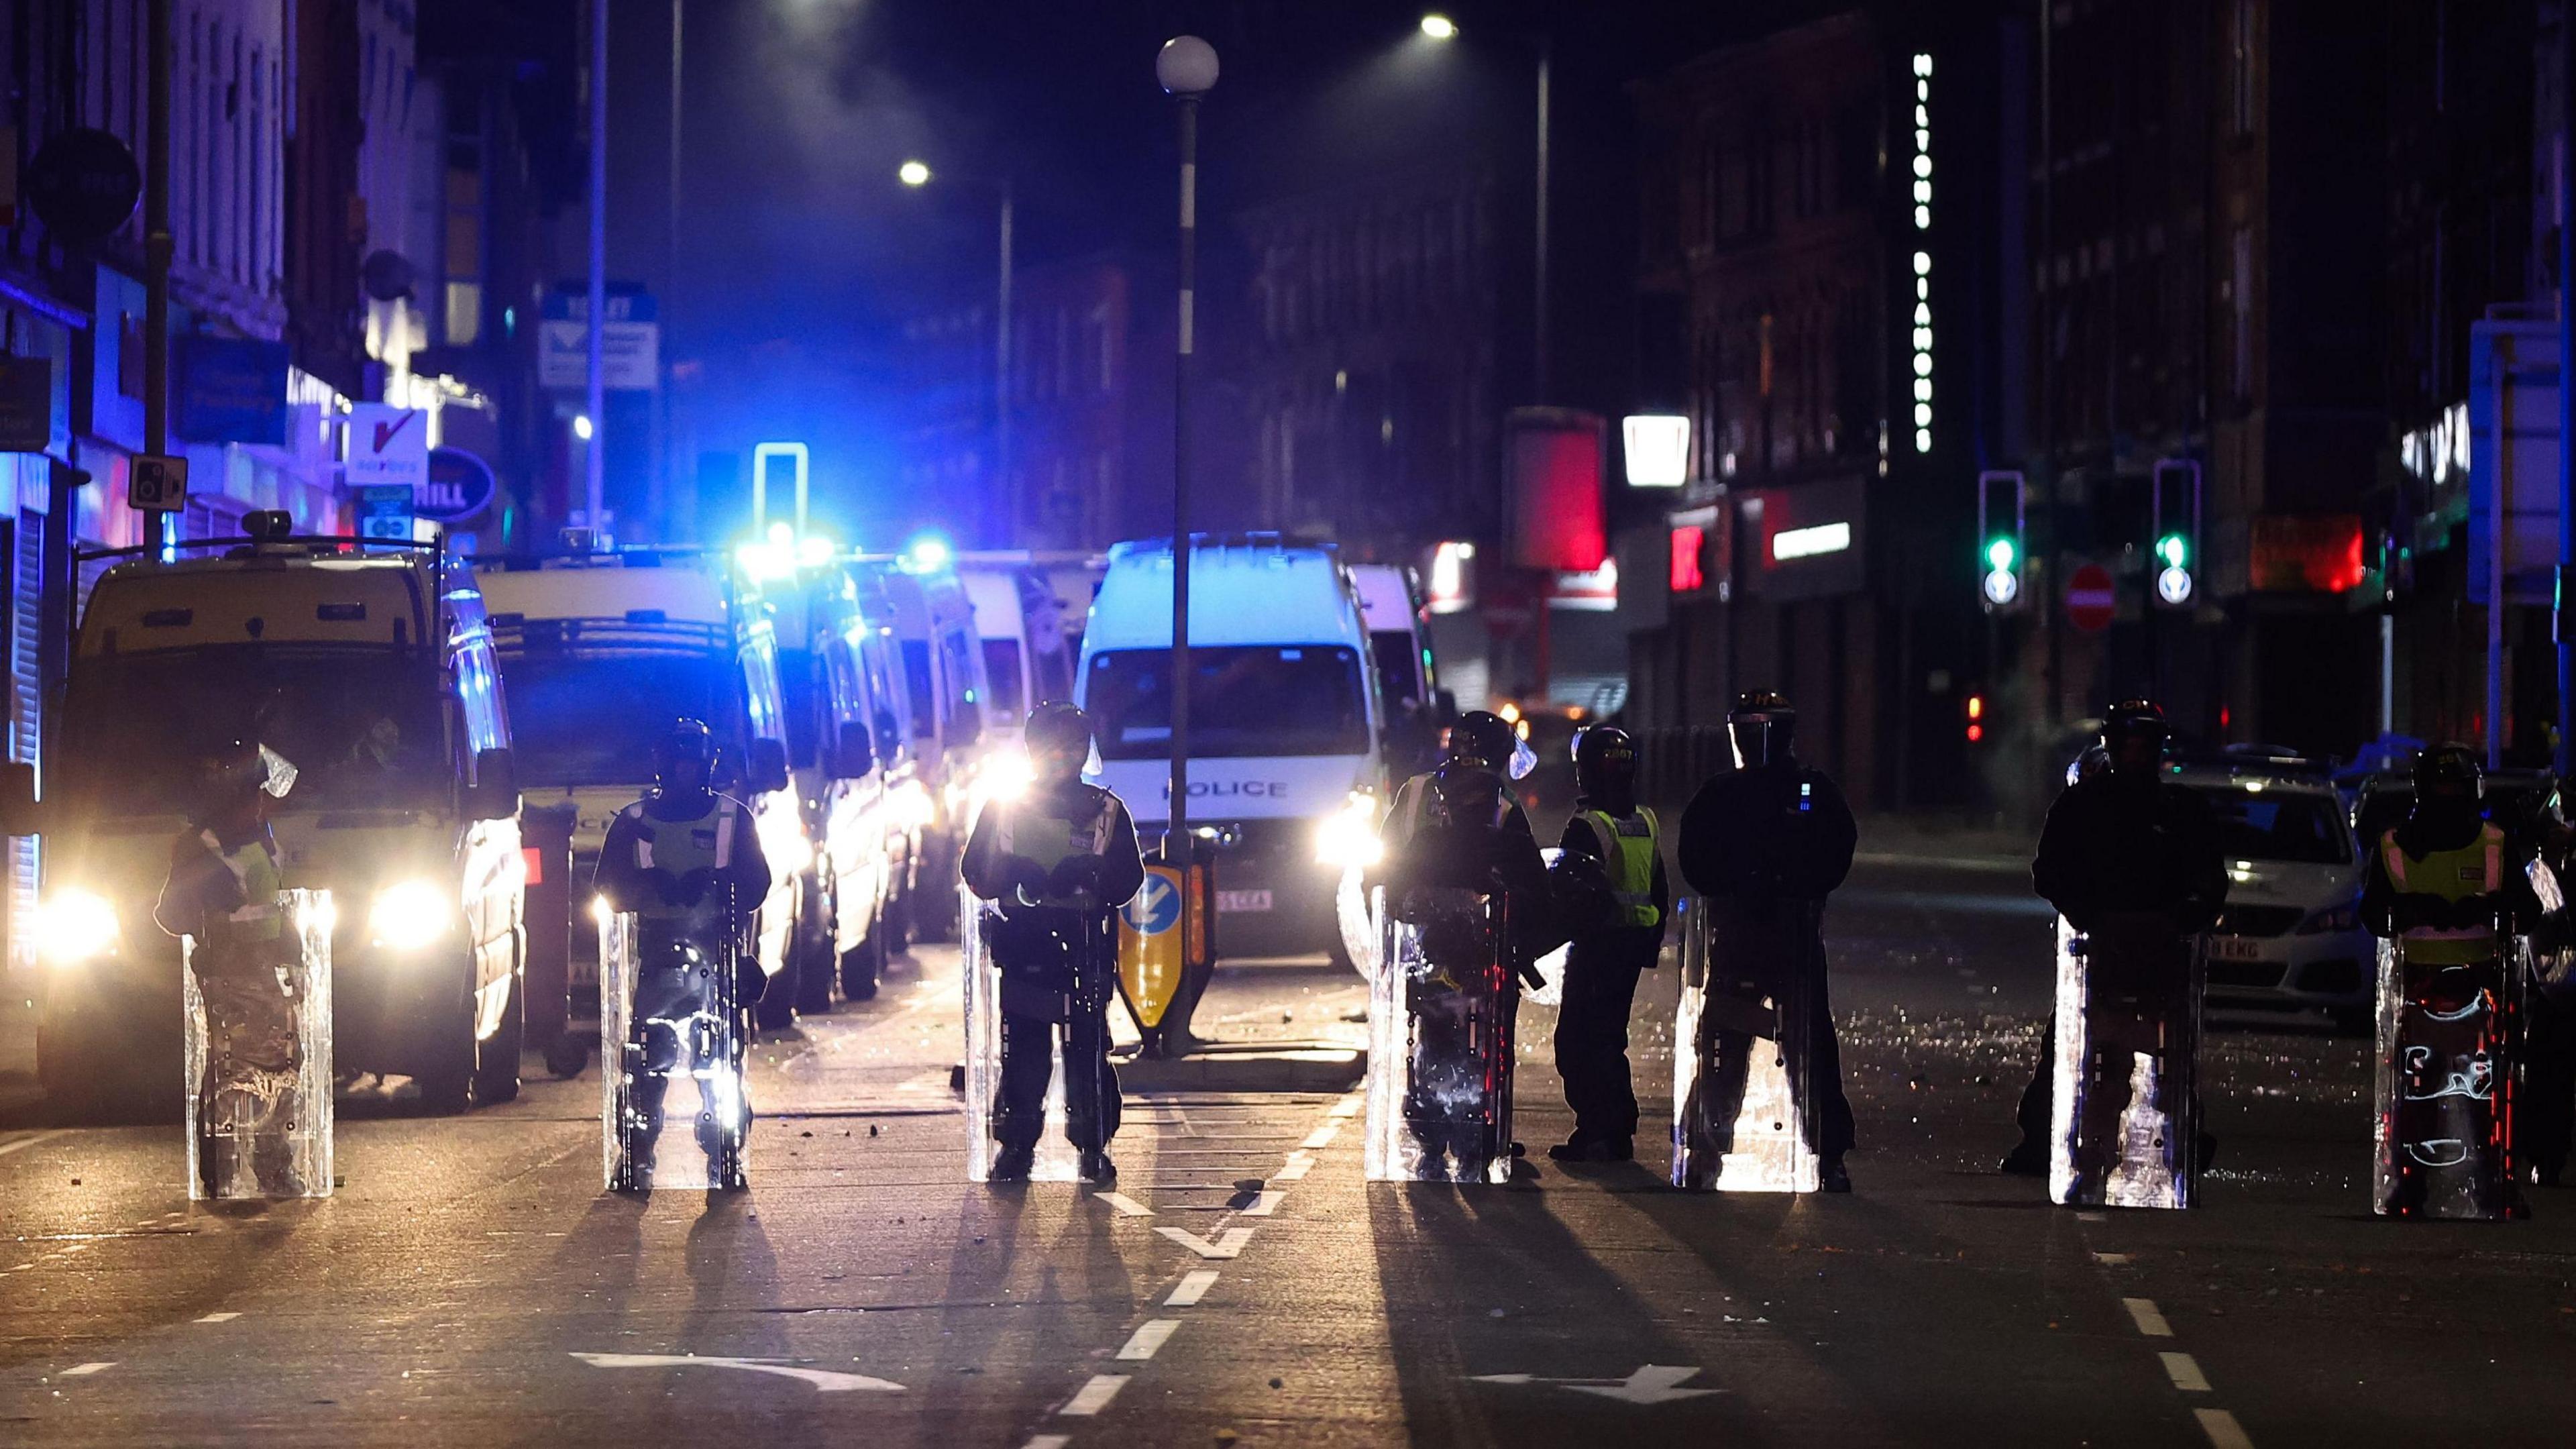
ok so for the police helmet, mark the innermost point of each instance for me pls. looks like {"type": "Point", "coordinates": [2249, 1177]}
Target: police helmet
{"type": "Point", "coordinates": [1481, 738]}
{"type": "Point", "coordinates": [1058, 726]}
{"type": "Point", "coordinates": [1605, 760]}
{"type": "Point", "coordinates": [228, 772]}
{"type": "Point", "coordinates": [1763, 727]}
{"type": "Point", "coordinates": [2134, 719]}
{"type": "Point", "coordinates": [2449, 769]}
{"type": "Point", "coordinates": [686, 742]}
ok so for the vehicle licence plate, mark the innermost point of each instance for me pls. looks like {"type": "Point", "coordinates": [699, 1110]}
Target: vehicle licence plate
{"type": "Point", "coordinates": [1243, 900]}
{"type": "Point", "coordinates": [2235, 948]}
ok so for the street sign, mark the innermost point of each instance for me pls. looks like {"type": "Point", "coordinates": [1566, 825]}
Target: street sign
{"type": "Point", "coordinates": [460, 486]}
{"type": "Point", "coordinates": [384, 510]}
{"type": "Point", "coordinates": [630, 344]}
{"type": "Point", "coordinates": [156, 484]}
{"type": "Point", "coordinates": [2090, 598]}
{"type": "Point", "coordinates": [231, 390]}
{"type": "Point", "coordinates": [83, 184]}
{"type": "Point", "coordinates": [26, 404]}
{"type": "Point", "coordinates": [388, 446]}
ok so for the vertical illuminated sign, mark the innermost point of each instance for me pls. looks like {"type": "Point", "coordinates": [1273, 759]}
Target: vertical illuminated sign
{"type": "Point", "coordinates": [1922, 350]}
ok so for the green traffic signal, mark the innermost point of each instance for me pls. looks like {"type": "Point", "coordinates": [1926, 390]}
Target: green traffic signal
{"type": "Point", "coordinates": [2173, 550]}
{"type": "Point", "coordinates": [2000, 553]}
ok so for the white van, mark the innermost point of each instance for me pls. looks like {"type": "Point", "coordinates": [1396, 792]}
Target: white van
{"type": "Point", "coordinates": [1028, 659]}
{"type": "Point", "coordinates": [369, 668]}
{"type": "Point", "coordinates": [601, 652]}
{"type": "Point", "coordinates": [1400, 642]}
{"type": "Point", "coordinates": [953, 727]}
{"type": "Point", "coordinates": [1285, 722]}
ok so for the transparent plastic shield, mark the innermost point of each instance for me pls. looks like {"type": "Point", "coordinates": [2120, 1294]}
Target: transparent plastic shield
{"type": "Point", "coordinates": [1440, 1048]}
{"type": "Point", "coordinates": [2125, 1110]}
{"type": "Point", "coordinates": [2445, 1078]}
{"type": "Point", "coordinates": [670, 1052]}
{"type": "Point", "coordinates": [256, 1043]}
{"type": "Point", "coordinates": [1743, 1120]}
{"type": "Point", "coordinates": [1056, 1160]}
{"type": "Point", "coordinates": [2549, 951]}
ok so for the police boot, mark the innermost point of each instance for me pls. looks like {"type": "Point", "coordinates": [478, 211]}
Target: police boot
{"type": "Point", "coordinates": [1014, 1162]}
{"type": "Point", "coordinates": [1832, 1176]}
{"type": "Point", "coordinates": [2027, 1159]}
{"type": "Point", "coordinates": [1097, 1169]}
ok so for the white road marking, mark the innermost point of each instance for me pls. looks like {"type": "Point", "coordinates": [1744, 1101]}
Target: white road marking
{"type": "Point", "coordinates": [1349, 1106]}
{"type": "Point", "coordinates": [83, 1370]}
{"type": "Point", "coordinates": [1148, 1338]}
{"type": "Point", "coordinates": [20, 1144]}
{"type": "Point", "coordinates": [1227, 1245]}
{"type": "Point", "coordinates": [2223, 1430]}
{"type": "Point", "coordinates": [219, 1318]}
{"type": "Point", "coordinates": [2149, 1319]}
{"type": "Point", "coordinates": [1127, 1206]}
{"type": "Point", "coordinates": [1267, 1203]}
{"type": "Point", "coordinates": [1300, 1162]}
{"type": "Point", "coordinates": [2110, 1259]}
{"type": "Point", "coordinates": [1322, 1137]}
{"type": "Point", "coordinates": [1047, 1441]}
{"type": "Point", "coordinates": [1193, 1288]}
{"type": "Point", "coordinates": [829, 1381]}
{"type": "Point", "coordinates": [2185, 1373]}
{"type": "Point", "coordinates": [1651, 1384]}
{"type": "Point", "coordinates": [1094, 1396]}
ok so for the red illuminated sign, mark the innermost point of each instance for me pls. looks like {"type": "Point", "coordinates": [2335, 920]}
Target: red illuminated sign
{"type": "Point", "coordinates": [1687, 574]}
{"type": "Point", "coordinates": [1553, 466]}
{"type": "Point", "coordinates": [2312, 555]}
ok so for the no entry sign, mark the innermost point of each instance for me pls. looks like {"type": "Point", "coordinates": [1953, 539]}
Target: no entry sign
{"type": "Point", "coordinates": [2089, 598]}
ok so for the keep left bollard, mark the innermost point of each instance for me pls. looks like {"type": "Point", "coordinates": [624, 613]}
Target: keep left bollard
{"type": "Point", "coordinates": [256, 1044]}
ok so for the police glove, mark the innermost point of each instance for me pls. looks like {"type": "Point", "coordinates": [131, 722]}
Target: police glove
{"type": "Point", "coordinates": [750, 983]}
{"type": "Point", "coordinates": [1019, 873]}
{"type": "Point", "coordinates": [1076, 873]}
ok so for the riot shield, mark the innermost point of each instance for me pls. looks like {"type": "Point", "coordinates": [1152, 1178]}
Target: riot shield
{"type": "Point", "coordinates": [256, 1042]}
{"type": "Point", "coordinates": [2125, 1115]}
{"type": "Point", "coordinates": [997, 1032]}
{"type": "Point", "coordinates": [671, 1035]}
{"type": "Point", "coordinates": [1441, 1000]}
{"type": "Point", "coordinates": [1743, 1117]}
{"type": "Point", "coordinates": [2446, 1089]}
{"type": "Point", "coordinates": [2549, 948]}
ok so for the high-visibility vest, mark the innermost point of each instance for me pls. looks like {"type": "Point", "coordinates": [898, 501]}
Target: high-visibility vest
{"type": "Point", "coordinates": [1050, 841]}
{"type": "Point", "coordinates": [257, 918]}
{"type": "Point", "coordinates": [704, 842]}
{"type": "Point", "coordinates": [2463, 873]}
{"type": "Point", "coordinates": [1628, 854]}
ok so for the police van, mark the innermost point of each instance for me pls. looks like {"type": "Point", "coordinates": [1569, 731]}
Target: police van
{"type": "Point", "coordinates": [366, 666]}
{"type": "Point", "coordinates": [952, 730]}
{"type": "Point", "coordinates": [1028, 657]}
{"type": "Point", "coordinates": [601, 652]}
{"type": "Point", "coordinates": [1287, 767]}
{"type": "Point", "coordinates": [1400, 645]}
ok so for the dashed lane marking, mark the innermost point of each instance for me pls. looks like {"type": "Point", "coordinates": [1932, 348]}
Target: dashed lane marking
{"type": "Point", "coordinates": [1148, 1338]}
{"type": "Point", "coordinates": [1193, 1288]}
{"type": "Point", "coordinates": [1300, 1162]}
{"type": "Point", "coordinates": [2110, 1260]}
{"type": "Point", "coordinates": [1322, 1137]}
{"type": "Point", "coordinates": [1094, 1396]}
{"type": "Point", "coordinates": [2144, 1313]}
{"type": "Point", "coordinates": [1228, 1244]}
{"type": "Point", "coordinates": [20, 1144]}
{"type": "Point", "coordinates": [1047, 1441]}
{"type": "Point", "coordinates": [1348, 1107]}
{"type": "Point", "coordinates": [2185, 1373]}
{"type": "Point", "coordinates": [2223, 1430]}
{"type": "Point", "coordinates": [219, 1318]}
{"type": "Point", "coordinates": [1264, 1205]}
{"type": "Point", "coordinates": [1127, 1206]}
{"type": "Point", "coordinates": [84, 1370]}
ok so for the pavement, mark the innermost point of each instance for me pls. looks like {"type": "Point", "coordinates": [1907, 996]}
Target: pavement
{"type": "Point", "coordinates": [472, 1285]}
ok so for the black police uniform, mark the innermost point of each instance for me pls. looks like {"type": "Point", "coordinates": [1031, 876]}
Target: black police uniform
{"type": "Point", "coordinates": [1602, 963]}
{"type": "Point", "coordinates": [1754, 839]}
{"type": "Point", "coordinates": [1071, 849]}
{"type": "Point", "coordinates": [2116, 845]}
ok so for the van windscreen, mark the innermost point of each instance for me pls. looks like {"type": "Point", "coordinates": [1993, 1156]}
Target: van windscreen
{"type": "Point", "coordinates": [1244, 701]}
{"type": "Point", "coordinates": [1399, 667]}
{"type": "Point", "coordinates": [1002, 671]}
{"type": "Point", "coordinates": [588, 719]}
{"type": "Point", "coordinates": [360, 724]}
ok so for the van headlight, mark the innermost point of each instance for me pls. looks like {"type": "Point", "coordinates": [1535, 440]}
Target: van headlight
{"type": "Point", "coordinates": [1348, 836]}
{"type": "Point", "coordinates": [2345, 917]}
{"type": "Point", "coordinates": [409, 915]}
{"type": "Point", "coordinates": [1009, 776]}
{"type": "Point", "coordinates": [74, 926]}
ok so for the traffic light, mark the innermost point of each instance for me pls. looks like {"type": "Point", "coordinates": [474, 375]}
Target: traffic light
{"type": "Point", "coordinates": [2001, 551]}
{"type": "Point", "coordinates": [1976, 717]}
{"type": "Point", "coordinates": [2173, 504]}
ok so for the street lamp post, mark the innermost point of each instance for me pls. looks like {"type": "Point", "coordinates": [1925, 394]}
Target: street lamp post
{"type": "Point", "coordinates": [918, 174]}
{"type": "Point", "coordinates": [594, 363]}
{"type": "Point", "coordinates": [1186, 66]}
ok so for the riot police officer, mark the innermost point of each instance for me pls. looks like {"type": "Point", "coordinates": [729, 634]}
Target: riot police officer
{"type": "Point", "coordinates": [2441, 884]}
{"type": "Point", "coordinates": [1764, 844]}
{"type": "Point", "coordinates": [1612, 859]}
{"type": "Point", "coordinates": [2120, 845]}
{"type": "Point", "coordinates": [686, 861]}
{"type": "Point", "coordinates": [1058, 862]}
{"type": "Point", "coordinates": [223, 892]}
{"type": "Point", "coordinates": [1458, 824]}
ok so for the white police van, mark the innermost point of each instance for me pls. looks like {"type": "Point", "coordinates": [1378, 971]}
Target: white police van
{"type": "Point", "coordinates": [1287, 767]}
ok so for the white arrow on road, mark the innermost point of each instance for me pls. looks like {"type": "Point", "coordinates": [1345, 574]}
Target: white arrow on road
{"type": "Point", "coordinates": [827, 1380]}
{"type": "Point", "coordinates": [1652, 1383]}
{"type": "Point", "coordinates": [1228, 1243]}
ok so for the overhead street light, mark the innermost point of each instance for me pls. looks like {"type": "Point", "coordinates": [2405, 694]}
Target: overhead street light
{"type": "Point", "coordinates": [913, 173]}
{"type": "Point", "coordinates": [1439, 27]}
